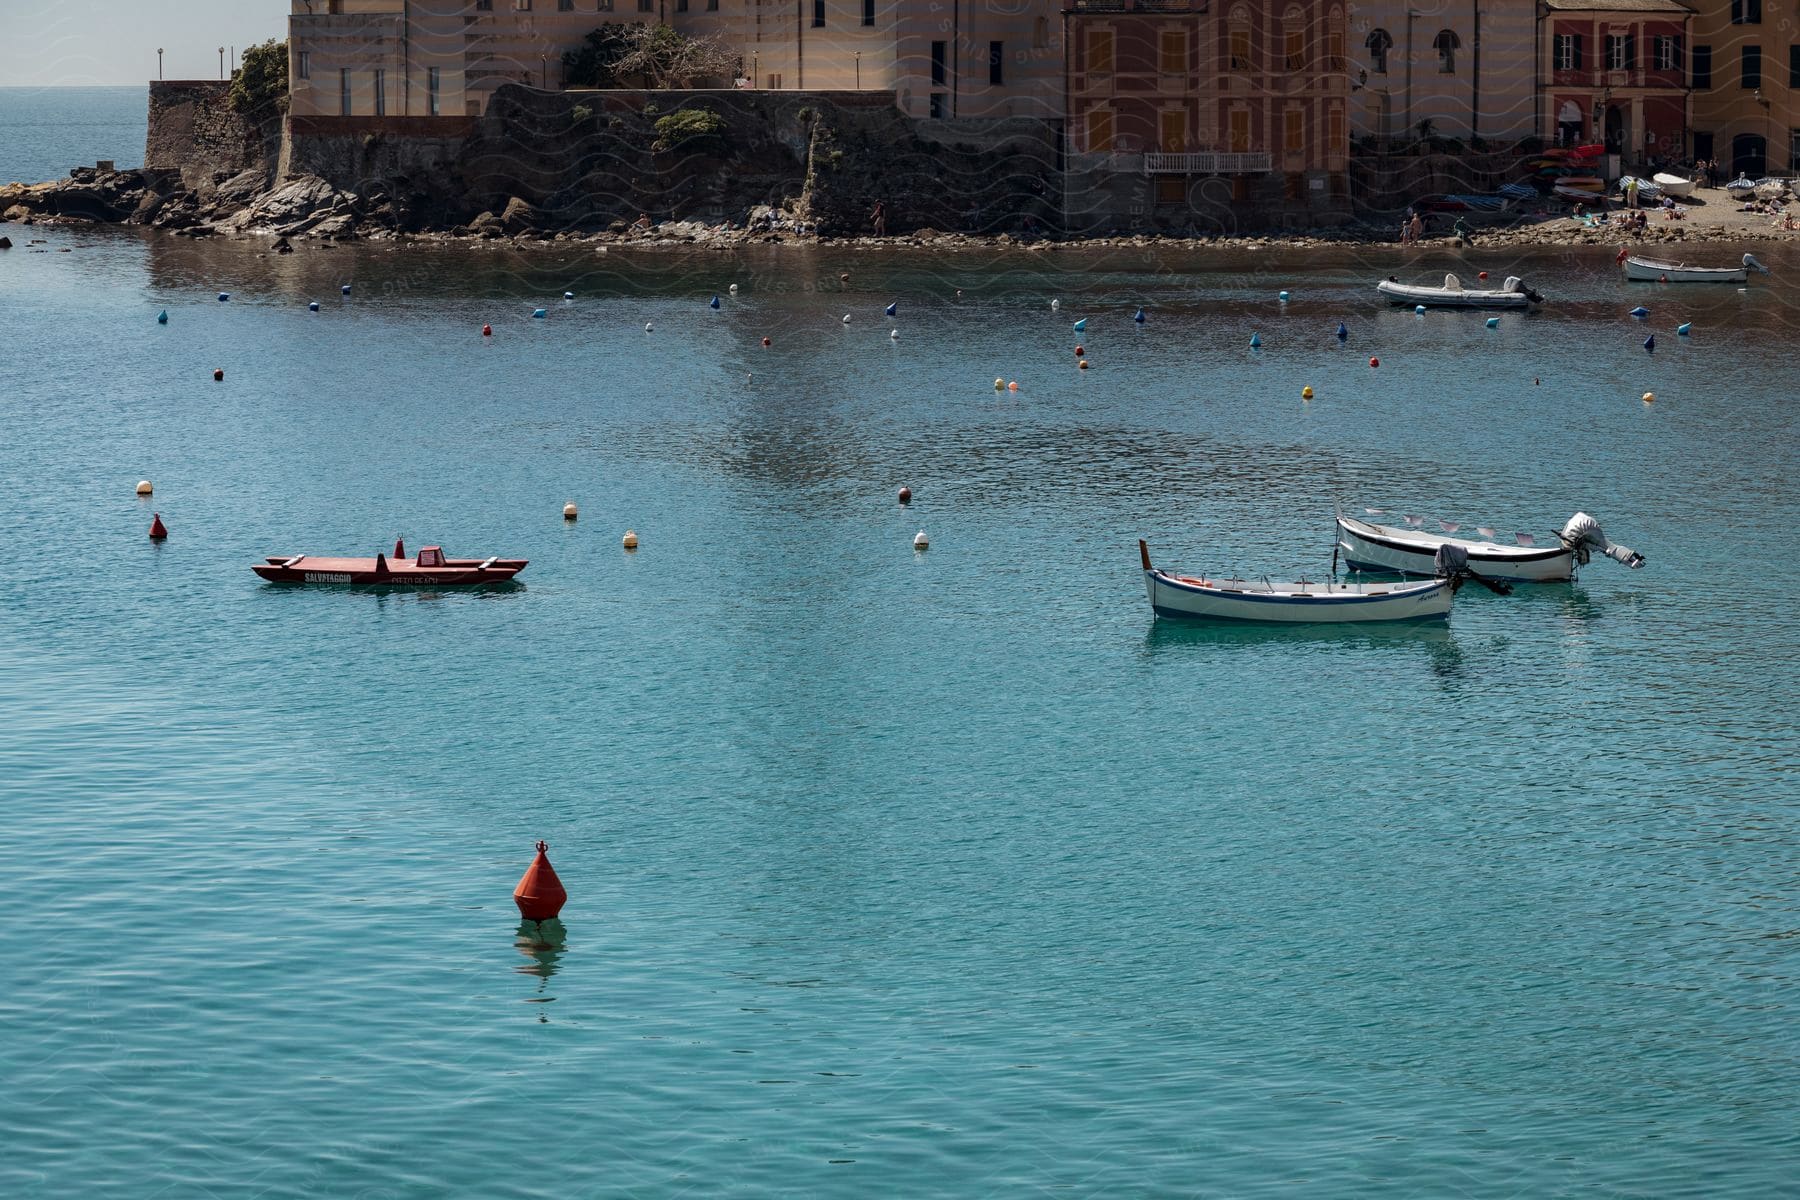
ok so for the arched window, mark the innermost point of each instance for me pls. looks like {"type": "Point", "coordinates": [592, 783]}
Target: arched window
{"type": "Point", "coordinates": [1293, 39]}
{"type": "Point", "coordinates": [1378, 43]}
{"type": "Point", "coordinates": [1238, 38]}
{"type": "Point", "coordinates": [1446, 44]}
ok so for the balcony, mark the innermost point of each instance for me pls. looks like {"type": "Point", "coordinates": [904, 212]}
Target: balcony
{"type": "Point", "coordinates": [1207, 163]}
{"type": "Point", "coordinates": [1137, 6]}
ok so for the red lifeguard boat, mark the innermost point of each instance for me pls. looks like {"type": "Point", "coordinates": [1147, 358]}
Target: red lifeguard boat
{"type": "Point", "coordinates": [429, 569]}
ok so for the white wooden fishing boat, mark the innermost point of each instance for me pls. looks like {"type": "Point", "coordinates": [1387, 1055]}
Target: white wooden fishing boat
{"type": "Point", "coordinates": [1512, 294]}
{"type": "Point", "coordinates": [1366, 546]}
{"type": "Point", "coordinates": [1654, 270]}
{"type": "Point", "coordinates": [1300, 602]}
{"type": "Point", "coordinates": [1741, 188]}
{"type": "Point", "coordinates": [1673, 185]}
{"type": "Point", "coordinates": [1770, 188]}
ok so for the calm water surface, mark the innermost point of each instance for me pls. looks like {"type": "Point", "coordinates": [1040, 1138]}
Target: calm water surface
{"type": "Point", "coordinates": [45, 131]}
{"type": "Point", "coordinates": [919, 874]}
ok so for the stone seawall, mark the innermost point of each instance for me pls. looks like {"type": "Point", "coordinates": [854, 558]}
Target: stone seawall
{"type": "Point", "coordinates": [194, 130]}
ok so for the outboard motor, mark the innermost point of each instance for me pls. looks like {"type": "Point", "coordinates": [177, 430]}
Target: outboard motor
{"type": "Point", "coordinates": [1452, 562]}
{"type": "Point", "coordinates": [1583, 534]}
{"type": "Point", "coordinates": [1750, 261]}
{"type": "Point", "coordinates": [1513, 284]}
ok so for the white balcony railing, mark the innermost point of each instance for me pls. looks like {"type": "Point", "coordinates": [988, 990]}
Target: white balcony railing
{"type": "Point", "coordinates": [1251, 163]}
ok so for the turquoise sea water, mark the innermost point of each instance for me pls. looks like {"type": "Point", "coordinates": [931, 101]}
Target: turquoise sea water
{"type": "Point", "coordinates": [917, 874]}
{"type": "Point", "coordinates": [45, 131]}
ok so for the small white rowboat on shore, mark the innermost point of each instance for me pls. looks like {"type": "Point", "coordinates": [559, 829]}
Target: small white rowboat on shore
{"type": "Point", "coordinates": [1651, 270]}
{"type": "Point", "coordinates": [1293, 603]}
{"type": "Point", "coordinates": [1673, 185]}
{"type": "Point", "coordinates": [1370, 547]}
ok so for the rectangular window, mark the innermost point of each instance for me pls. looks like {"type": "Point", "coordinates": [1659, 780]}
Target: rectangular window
{"type": "Point", "coordinates": [1240, 49]}
{"type": "Point", "coordinates": [680, 5]}
{"type": "Point", "coordinates": [1794, 74]}
{"type": "Point", "coordinates": [484, 5]}
{"type": "Point", "coordinates": [1335, 130]}
{"type": "Point", "coordinates": [434, 89]}
{"type": "Point", "coordinates": [381, 93]}
{"type": "Point", "coordinates": [1668, 53]}
{"type": "Point", "coordinates": [1100, 50]}
{"type": "Point", "coordinates": [303, 64]}
{"type": "Point", "coordinates": [1240, 130]}
{"type": "Point", "coordinates": [1621, 52]}
{"type": "Point", "coordinates": [712, 5]}
{"type": "Point", "coordinates": [939, 106]}
{"type": "Point", "coordinates": [1100, 130]}
{"type": "Point", "coordinates": [1294, 48]}
{"type": "Point", "coordinates": [1746, 12]}
{"type": "Point", "coordinates": [868, 10]}
{"type": "Point", "coordinates": [1171, 131]}
{"type": "Point", "coordinates": [1752, 68]}
{"type": "Point", "coordinates": [565, 5]}
{"type": "Point", "coordinates": [646, 6]}
{"type": "Point", "coordinates": [996, 63]}
{"type": "Point", "coordinates": [818, 14]}
{"type": "Point", "coordinates": [1334, 49]}
{"type": "Point", "coordinates": [344, 92]}
{"type": "Point", "coordinates": [1568, 53]}
{"type": "Point", "coordinates": [1702, 74]}
{"type": "Point", "coordinates": [937, 64]}
{"type": "Point", "coordinates": [1293, 131]}
{"type": "Point", "coordinates": [521, 5]}
{"type": "Point", "coordinates": [1171, 51]}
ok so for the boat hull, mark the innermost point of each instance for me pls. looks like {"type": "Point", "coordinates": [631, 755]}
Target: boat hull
{"type": "Point", "coordinates": [1674, 185]}
{"type": "Point", "coordinates": [1435, 297]}
{"type": "Point", "coordinates": [1648, 270]}
{"type": "Point", "coordinates": [1299, 604]}
{"type": "Point", "coordinates": [306, 568]}
{"type": "Point", "coordinates": [1368, 547]}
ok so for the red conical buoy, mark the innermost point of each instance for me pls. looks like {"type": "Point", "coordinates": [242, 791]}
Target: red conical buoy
{"type": "Point", "coordinates": [540, 894]}
{"type": "Point", "coordinates": [158, 531]}
{"type": "Point", "coordinates": [218, 375]}
{"type": "Point", "coordinates": [487, 331]}
{"type": "Point", "coordinates": [399, 549]}
{"type": "Point", "coordinates": [906, 495]}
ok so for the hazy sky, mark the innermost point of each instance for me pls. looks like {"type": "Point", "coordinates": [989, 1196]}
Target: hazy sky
{"type": "Point", "coordinates": [47, 43]}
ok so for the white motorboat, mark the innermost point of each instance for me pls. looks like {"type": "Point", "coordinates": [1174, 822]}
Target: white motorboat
{"type": "Point", "coordinates": [1301, 602]}
{"type": "Point", "coordinates": [1370, 547]}
{"type": "Point", "coordinates": [1652, 270]}
{"type": "Point", "coordinates": [1673, 185]}
{"type": "Point", "coordinates": [1512, 294]}
{"type": "Point", "coordinates": [1741, 188]}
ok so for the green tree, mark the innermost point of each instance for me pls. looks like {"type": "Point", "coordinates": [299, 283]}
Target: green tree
{"type": "Point", "coordinates": [259, 88]}
{"type": "Point", "coordinates": [698, 130]}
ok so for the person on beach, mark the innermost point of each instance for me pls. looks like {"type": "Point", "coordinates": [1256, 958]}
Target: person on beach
{"type": "Point", "coordinates": [1416, 228]}
{"type": "Point", "coordinates": [642, 224]}
{"type": "Point", "coordinates": [878, 218]}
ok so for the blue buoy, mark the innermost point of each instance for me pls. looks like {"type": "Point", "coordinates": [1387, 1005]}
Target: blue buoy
{"type": "Point", "coordinates": [1682, 329]}
{"type": "Point", "coordinates": [1650, 343]}
{"type": "Point", "coordinates": [224, 296]}
{"type": "Point", "coordinates": [162, 318]}
{"type": "Point", "coordinates": [313, 307]}
{"type": "Point", "coordinates": [1284, 297]}
{"type": "Point", "coordinates": [1640, 312]}
{"type": "Point", "coordinates": [346, 289]}
{"type": "Point", "coordinates": [1256, 341]}
{"type": "Point", "coordinates": [1081, 325]}
{"type": "Point", "coordinates": [1419, 310]}
{"type": "Point", "coordinates": [540, 313]}
{"type": "Point", "coordinates": [1342, 333]}
{"type": "Point", "coordinates": [1139, 317]}
{"type": "Point", "coordinates": [713, 303]}
{"type": "Point", "coordinates": [892, 309]}
{"type": "Point", "coordinates": [1493, 322]}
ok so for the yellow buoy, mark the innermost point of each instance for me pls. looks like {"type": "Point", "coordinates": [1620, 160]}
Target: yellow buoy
{"type": "Point", "coordinates": [999, 385]}
{"type": "Point", "coordinates": [1649, 397]}
{"type": "Point", "coordinates": [144, 488]}
{"type": "Point", "coordinates": [1306, 393]}
{"type": "Point", "coordinates": [630, 542]}
{"type": "Point", "coordinates": [570, 512]}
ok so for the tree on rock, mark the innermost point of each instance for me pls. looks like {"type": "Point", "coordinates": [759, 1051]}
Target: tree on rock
{"type": "Point", "coordinates": [259, 88]}
{"type": "Point", "coordinates": [653, 55]}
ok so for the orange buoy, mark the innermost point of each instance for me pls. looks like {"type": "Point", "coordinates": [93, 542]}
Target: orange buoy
{"type": "Point", "coordinates": [766, 342]}
{"type": "Point", "coordinates": [540, 895]}
{"type": "Point", "coordinates": [906, 495]}
{"type": "Point", "coordinates": [158, 531]}
{"type": "Point", "coordinates": [399, 549]}
{"type": "Point", "coordinates": [218, 375]}
{"type": "Point", "coordinates": [1013, 386]}
{"type": "Point", "coordinates": [487, 331]}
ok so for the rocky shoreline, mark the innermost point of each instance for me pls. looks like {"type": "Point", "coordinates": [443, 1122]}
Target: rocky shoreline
{"type": "Point", "coordinates": [308, 208]}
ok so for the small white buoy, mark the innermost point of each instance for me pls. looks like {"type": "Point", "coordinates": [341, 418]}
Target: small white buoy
{"type": "Point", "coordinates": [568, 295]}
{"type": "Point", "coordinates": [921, 542]}
{"type": "Point", "coordinates": [1284, 297]}
{"type": "Point", "coordinates": [734, 289]}
{"type": "Point", "coordinates": [570, 512]}
{"type": "Point", "coordinates": [630, 541]}
{"type": "Point", "coordinates": [144, 488]}
{"type": "Point", "coordinates": [1649, 397]}
{"type": "Point", "coordinates": [846, 318]}
{"type": "Point", "coordinates": [1055, 304]}
{"type": "Point", "coordinates": [649, 327]}
{"type": "Point", "coordinates": [1419, 309]}
{"type": "Point", "coordinates": [894, 334]}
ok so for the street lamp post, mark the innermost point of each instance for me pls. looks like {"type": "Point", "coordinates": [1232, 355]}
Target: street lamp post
{"type": "Point", "coordinates": [159, 69]}
{"type": "Point", "coordinates": [858, 57]}
{"type": "Point", "coordinates": [221, 62]}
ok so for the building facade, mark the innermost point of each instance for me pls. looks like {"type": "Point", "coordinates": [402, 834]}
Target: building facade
{"type": "Point", "coordinates": [420, 58]}
{"type": "Point", "coordinates": [1746, 77]}
{"type": "Point", "coordinates": [1466, 67]}
{"type": "Point", "coordinates": [1616, 72]}
{"type": "Point", "coordinates": [1175, 106]}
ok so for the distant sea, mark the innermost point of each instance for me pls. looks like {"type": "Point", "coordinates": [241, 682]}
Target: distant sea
{"type": "Point", "coordinates": [45, 131]}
